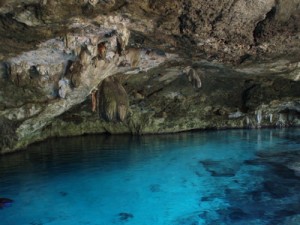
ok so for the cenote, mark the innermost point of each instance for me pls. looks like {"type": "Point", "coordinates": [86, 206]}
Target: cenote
{"type": "Point", "coordinates": [216, 177]}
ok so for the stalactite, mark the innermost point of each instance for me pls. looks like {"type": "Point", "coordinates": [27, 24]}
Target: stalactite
{"type": "Point", "coordinates": [258, 117]}
{"type": "Point", "coordinates": [94, 100]}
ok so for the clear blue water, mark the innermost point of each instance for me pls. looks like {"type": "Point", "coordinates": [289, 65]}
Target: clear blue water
{"type": "Point", "coordinates": [212, 178]}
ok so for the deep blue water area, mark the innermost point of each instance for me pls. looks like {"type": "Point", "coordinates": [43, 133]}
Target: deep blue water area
{"type": "Point", "coordinates": [245, 177]}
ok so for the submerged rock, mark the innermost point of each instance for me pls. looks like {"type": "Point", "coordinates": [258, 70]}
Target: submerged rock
{"type": "Point", "coordinates": [276, 190]}
{"type": "Point", "coordinates": [5, 202]}
{"type": "Point", "coordinates": [220, 169]}
{"type": "Point", "coordinates": [236, 214]}
{"type": "Point", "coordinates": [292, 220]}
{"type": "Point", "coordinates": [155, 188]}
{"type": "Point", "coordinates": [123, 216]}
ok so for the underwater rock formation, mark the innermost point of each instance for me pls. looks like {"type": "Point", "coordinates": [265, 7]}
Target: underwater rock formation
{"type": "Point", "coordinates": [4, 202]}
{"type": "Point", "coordinates": [125, 216]}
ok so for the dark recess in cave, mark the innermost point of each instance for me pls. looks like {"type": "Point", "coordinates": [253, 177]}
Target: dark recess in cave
{"type": "Point", "coordinates": [259, 30]}
{"type": "Point", "coordinates": [245, 98]}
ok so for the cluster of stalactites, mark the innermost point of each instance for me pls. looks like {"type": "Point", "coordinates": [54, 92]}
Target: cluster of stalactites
{"type": "Point", "coordinates": [110, 100]}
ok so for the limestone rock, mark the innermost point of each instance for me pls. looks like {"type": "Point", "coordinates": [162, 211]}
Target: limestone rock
{"type": "Point", "coordinates": [64, 87]}
{"type": "Point", "coordinates": [193, 77]}
{"type": "Point", "coordinates": [113, 100]}
{"type": "Point", "coordinates": [7, 133]}
{"type": "Point", "coordinates": [4, 71]}
{"type": "Point", "coordinates": [240, 59]}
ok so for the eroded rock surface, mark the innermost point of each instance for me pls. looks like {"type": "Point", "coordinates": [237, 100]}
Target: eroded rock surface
{"type": "Point", "coordinates": [158, 66]}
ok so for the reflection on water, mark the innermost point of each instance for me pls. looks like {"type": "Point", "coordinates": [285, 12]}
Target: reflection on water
{"type": "Point", "coordinates": [215, 177]}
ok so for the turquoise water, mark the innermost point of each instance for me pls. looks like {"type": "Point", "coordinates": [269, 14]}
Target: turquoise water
{"type": "Point", "coordinates": [212, 178]}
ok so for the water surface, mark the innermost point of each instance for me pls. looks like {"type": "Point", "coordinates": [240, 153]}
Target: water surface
{"type": "Point", "coordinates": [210, 178]}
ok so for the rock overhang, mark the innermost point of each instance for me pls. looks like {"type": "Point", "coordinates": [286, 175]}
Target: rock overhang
{"type": "Point", "coordinates": [251, 43]}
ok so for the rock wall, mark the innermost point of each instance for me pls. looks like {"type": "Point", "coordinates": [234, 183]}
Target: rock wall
{"type": "Point", "coordinates": [168, 101]}
{"type": "Point", "coordinates": [155, 66]}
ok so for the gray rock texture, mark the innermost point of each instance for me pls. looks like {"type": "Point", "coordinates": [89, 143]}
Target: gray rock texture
{"type": "Point", "coordinates": [155, 66]}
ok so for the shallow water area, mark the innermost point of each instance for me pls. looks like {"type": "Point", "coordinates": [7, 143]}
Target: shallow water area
{"type": "Point", "coordinates": [216, 177]}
